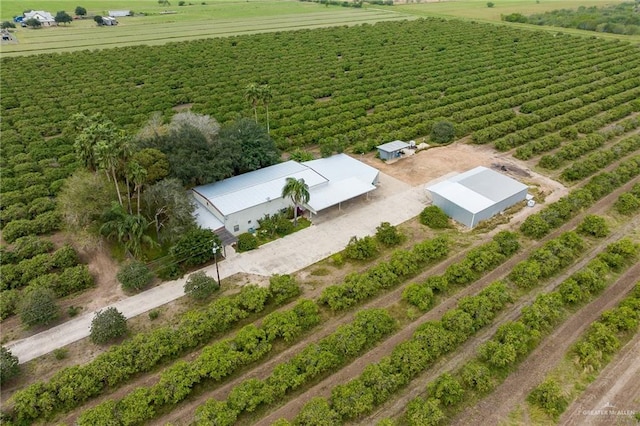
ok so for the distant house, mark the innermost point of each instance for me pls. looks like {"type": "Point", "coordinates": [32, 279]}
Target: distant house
{"type": "Point", "coordinates": [45, 18]}
{"type": "Point", "coordinates": [237, 203]}
{"type": "Point", "coordinates": [391, 150]}
{"type": "Point", "coordinates": [119, 13]}
{"type": "Point", "coordinates": [108, 20]}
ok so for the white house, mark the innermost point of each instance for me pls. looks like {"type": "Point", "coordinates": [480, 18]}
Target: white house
{"type": "Point", "coordinates": [119, 13]}
{"type": "Point", "coordinates": [109, 21]}
{"type": "Point", "coordinates": [238, 202]}
{"type": "Point", "coordinates": [45, 18]}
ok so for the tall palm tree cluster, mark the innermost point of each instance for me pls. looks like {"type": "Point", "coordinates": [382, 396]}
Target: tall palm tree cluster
{"type": "Point", "coordinates": [101, 146]}
{"type": "Point", "coordinates": [259, 94]}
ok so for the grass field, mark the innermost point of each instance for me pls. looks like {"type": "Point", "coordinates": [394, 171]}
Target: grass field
{"type": "Point", "coordinates": [221, 18]}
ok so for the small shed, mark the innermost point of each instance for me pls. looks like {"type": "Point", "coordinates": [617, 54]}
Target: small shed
{"type": "Point", "coordinates": [391, 150]}
{"type": "Point", "coordinates": [476, 195]}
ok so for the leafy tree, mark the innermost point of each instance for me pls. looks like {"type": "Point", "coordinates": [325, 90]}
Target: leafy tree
{"type": "Point", "coordinates": [549, 396]}
{"type": "Point", "coordinates": [283, 288]}
{"type": "Point", "coordinates": [388, 234]}
{"type": "Point", "coordinates": [134, 276]}
{"type": "Point", "coordinates": [442, 132]}
{"type": "Point", "coordinates": [199, 286]}
{"type": "Point", "coordinates": [352, 399]}
{"type": "Point", "coordinates": [83, 199]}
{"type": "Point", "coordinates": [138, 175]}
{"type": "Point", "coordinates": [424, 413]}
{"type": "Point", "coordinates": [154, 162]}
{"type": "Point", "coordinates": [317, 412]}
{"type": "Point", "coordinates": [7, 24]}
{"type": "Point", "coordinates": [9, 367]}
{"type": "Point", "coordinates": [595, 226]}
{"type": "Point", "coordinates": [37, 306]}
{"type": "Point", "coordinates": [361, 248]}
{"type": "Point", "coordinates": [490, 4]}
{"type": "Point", "coordinates": [170, 208]}
{"type": "Point", "coordinates": [247, 145]}
{"type": "Point", "coordinates": [63, 17]}
{"type": "Point", "coordinates": [33, 23]}
{"type": "Point", "coordinates": [107, 325]}
{"type": "Point", "coordinates": [477, 376]}
{"type": "Point", "coordinates": [215, 412]}
{"type": "Point", "coordinates": [298, 191]}
{"type": "Point", "coordinates": [434, 218]}
{"type": "Point", "coordinates": [447, 389]}
{"type": "Point", "coordinates": [81, 11]}
{"type": "Point", "coordinates": [195, 247]}
{"type": "Point", "coordinates": [207, 125]}
{"type": "Point", "coordinates": [627, 204]}
{"type": "Point", "coordinates": [246, 242]}
{"type": "Point", "coordinates": [98, 19]}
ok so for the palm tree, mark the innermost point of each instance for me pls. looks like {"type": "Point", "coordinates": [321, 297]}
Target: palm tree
{"type": "Point", "coordinates": [126, 229]}
{"type": "Point", "coordinates": [265, 98]}
{"type": "Point", "coordinates": [138, 175]}
{"type": "Point", "coordinates": [252, 94]}
{"type": "Point", "coordinates": [107, 157]}
{"type": "Point", "coordinates": [298, 191]}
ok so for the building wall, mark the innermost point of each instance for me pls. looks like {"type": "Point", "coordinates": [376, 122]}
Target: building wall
{"type": "Point", "coordinates": [453, 210]}
{"type": "Point", "coordinates": [499, 207]}
{"type": "Point", "coordinates": [248, 218]}
{"type": "Point", "coordinates": [384, 155]}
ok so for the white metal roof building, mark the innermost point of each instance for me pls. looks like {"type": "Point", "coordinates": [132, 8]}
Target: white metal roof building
{"type": "Point", "coordinates": [476, 195]}
{"type": "Point", "coordinates": [238, 202]}
{"type": "Point", "coordinates": [391, 150]}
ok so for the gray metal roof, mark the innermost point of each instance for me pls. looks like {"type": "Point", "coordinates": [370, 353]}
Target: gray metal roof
{"type": "Point", "coordinates": [331, 180]}
{"type": "Point", "coordinates": [393, 146]}
{"type": "Point", "coordinates": [477, 189]}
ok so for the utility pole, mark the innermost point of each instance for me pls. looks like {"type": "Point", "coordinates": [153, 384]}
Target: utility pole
{"type": "Point", "coordinates": [216, 247]}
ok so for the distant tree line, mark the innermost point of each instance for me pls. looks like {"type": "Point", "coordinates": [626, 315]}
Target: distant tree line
{"type": "Point", "coordinates": [622, 18]}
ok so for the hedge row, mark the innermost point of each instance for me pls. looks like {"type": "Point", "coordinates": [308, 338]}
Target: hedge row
{"type": "Point", "coordinates": [216, 362]}
{"type": "Point", "coordinates": [20, 274]}
{"type": "Point", "coordinates": [329, 354]}
{"type": "Point", "coordinates": [430, 341]}
{"type": "Point", "coordinates": [595, 348]}
{"type": "Point", "coordinates": [24, 248]}
{"type": "Point", "coordinates": [44, 223]}
{"type": "Point", "coordinates": [404, 263]}
{"type": "Point", "coordinates": [479, 260]}
{"type": "Point", "coordinates": [600, 159]}
{"type": "Point", "coordinates": [73, 386]}
{"type": "Point", "coordinates": [554, 215]}
{"type": "Point", "coordinates": [514, 340]}
{"type": "Point", "coordinates": [629, 202]}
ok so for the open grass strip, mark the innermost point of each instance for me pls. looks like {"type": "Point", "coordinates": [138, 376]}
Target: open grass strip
{"type": "Point", "coordinates": [587, 357]}
{"type": "Point", "coordinates": [329, 354]}
{"type": "Point", "coordinates": [73, 386]}
{"type": "Point", "coordinates": [430, 342]}
{"type": "Point", "coordinates": [554, 215]}
{"type": "Point", "coordinates": [514, 340]}
{"type": "Point", "coordinates": [216, 362]}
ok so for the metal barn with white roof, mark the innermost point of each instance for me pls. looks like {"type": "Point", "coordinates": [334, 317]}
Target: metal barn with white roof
{"type": "Point", "coordinates": [238, 202]}
{"type": "Point", "coordinates": [476, 195]}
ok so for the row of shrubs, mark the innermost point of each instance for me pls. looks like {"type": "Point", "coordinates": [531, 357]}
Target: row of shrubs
{"type": "Point", "coordinates": [580, 146]}
{"type": "Point", "coordinates": [44, 223]}
{"type": "Point", "coordinates": [16, 275]}
{"type": "Point", "coordinates": [429, 343]}
{"type": "Point", "coordinates": [216, 362]}
{"type": "Point", "coordinates": [479, 260]}
{"type": "Point", "coordinates": [554, 215]}
{"type": "Point", "coordinates": [317, 359]}
{"type": "Point", "coordinates": [629, 202]}
{"type": "Point", "coordinates": [358, 287]}
{"type": "Point", "coordinates": [595, 348]}
{"type": "Point", "coordinates": [514, 340]}
{"type": "Point", "coordinates": [73, 386]}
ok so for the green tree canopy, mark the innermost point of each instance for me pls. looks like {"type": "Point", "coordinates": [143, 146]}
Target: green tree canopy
{"type": "Point", "coordinates": [200, 286]}
{"type": "Point", "coordinates": [38, 306]}
{"type": "Point", "coordinates": [249, 144]}
{"type": "Point", "coordinates": [107, 325]}
{"type": "Point", "coordinates": [134, 276]}
{"type": "Point", "coordinates": [63, 17]}
{"type": "Point", "coordinates": [169, 208]}
{"type": "Point", "coordinates": [9, 367]}
{"type": "Point", "coordinates": [80, 11]}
